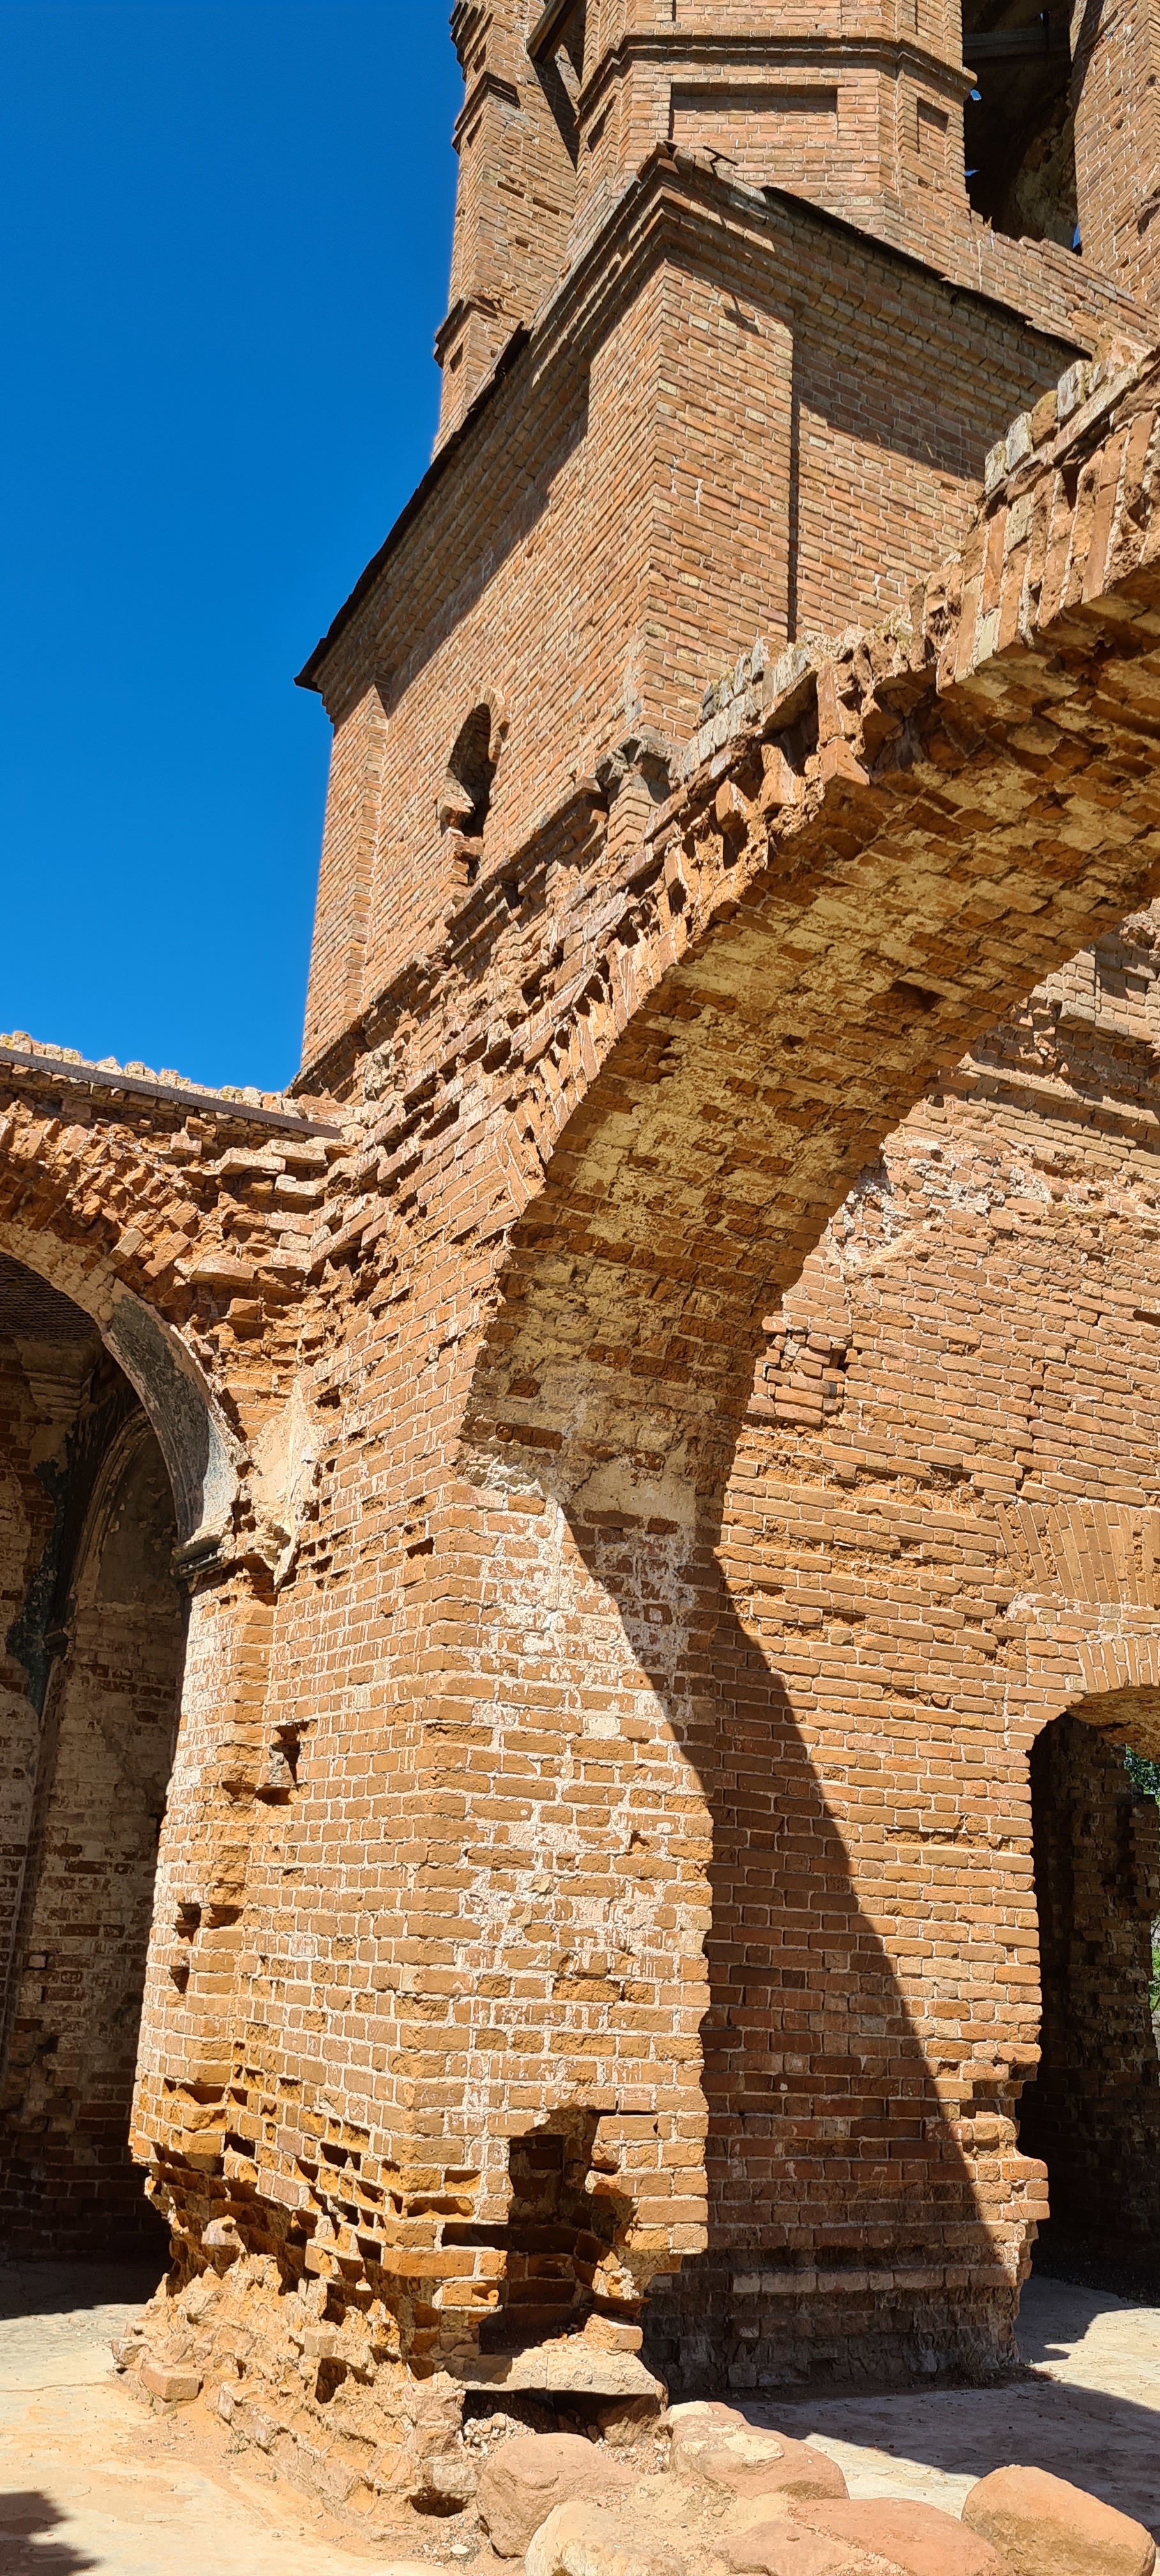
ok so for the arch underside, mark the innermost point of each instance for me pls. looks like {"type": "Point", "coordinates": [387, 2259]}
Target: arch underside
{"type": "Point", "coordinates": [186, 1418]}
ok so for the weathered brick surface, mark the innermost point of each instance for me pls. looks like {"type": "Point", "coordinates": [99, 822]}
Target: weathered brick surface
{"type": "Point", "coordinates": [526, 1793]}
{"type": "Point", "coordinates": [938, 1534]}
{"type": "Point", "coordinates": [95, 1773]}
{"type": "Point", "coordinates": [1116, 95]}
{"type": "Point", "coordinates": [137, 1215]}
{"type": "Point", "coordinates": [595, 1905]}
{"type": "Point", "coordinates": [25, 1520]}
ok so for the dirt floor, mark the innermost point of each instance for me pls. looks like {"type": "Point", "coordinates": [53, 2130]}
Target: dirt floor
{"type": "Point", "coordinates": [92, 2479]}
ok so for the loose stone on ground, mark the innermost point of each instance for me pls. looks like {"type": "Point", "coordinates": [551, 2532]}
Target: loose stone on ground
{"type": "Point", "coordinates": [93, 2477]}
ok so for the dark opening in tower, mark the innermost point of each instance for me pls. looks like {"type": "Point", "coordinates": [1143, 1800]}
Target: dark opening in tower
{"type": "Point", "coordinates": [471, 770]}
{"type": "Point", "coordinates": [1093, 2113]}
{"type": "Point", "coordinates": [1017, 124]}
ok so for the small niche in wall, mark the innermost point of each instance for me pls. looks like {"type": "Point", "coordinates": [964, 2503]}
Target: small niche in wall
{"type": "Point", "coordinates": [464, 801]}
{"type": "Point", "coordinates": [933, 127]}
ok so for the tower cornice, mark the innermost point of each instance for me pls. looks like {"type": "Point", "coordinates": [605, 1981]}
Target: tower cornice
{"type": "Point", "coordinates": [678, 203]}
{"type": "Point", "coordinates": [763, 55]}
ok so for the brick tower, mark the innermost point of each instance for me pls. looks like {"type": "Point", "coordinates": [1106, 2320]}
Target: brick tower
{"type": "Point", "coordinates": [744, 343]}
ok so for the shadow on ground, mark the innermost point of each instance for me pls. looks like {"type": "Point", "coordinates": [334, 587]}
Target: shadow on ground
{"type": "Point", "coordinates": [24, 2520]}
{"type": "Point", "coordinates": [36, 2288]}
{"type": "Point", "coordinates": [1086, 2406]}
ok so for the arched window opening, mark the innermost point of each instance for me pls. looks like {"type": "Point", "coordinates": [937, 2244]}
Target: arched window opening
{"type": "Point", "coordinates": [1093, 2113]}
{"type": "Point", "coordinates": [465, 797]}
{"type": "Point", "coordinates": [1018, 127]}
{"type": "Point", "coordinates": [93, 1646]}
{"type": "Point", "coordinates": [557, 49]}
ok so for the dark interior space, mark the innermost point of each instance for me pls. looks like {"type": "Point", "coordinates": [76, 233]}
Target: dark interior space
{"type": "Point", "coordinates": [1018, 126]}
{"type": "Point", "coordinates": [1093, 2113]}
{"type": "Point", "coordinates": [92, 1629]}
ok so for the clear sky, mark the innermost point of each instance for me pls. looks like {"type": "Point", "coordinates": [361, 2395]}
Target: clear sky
{"type": "Point", "coordinates": [224, 241]}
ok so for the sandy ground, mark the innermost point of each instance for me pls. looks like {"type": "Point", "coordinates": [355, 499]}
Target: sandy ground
{"type": "Point", "coordinates": [92, 2479]}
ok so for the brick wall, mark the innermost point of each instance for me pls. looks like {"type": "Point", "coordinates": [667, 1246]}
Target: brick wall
{"type": "Point", "coordinates": [1115, 76]}
{"type": "Point", "coordinates": [866, 122]}
{"type": "Point", "coordinates": [965, 1363]}
{"type": "Point", "coordinates": [582, 1740]}
{"type": "Point", "coordinates": [66, 2175]}
{"type": "Point", "coordinates": [178, 1203]}
{"type": "Point", "coordinates": [515, 194]}
{"type": "Point", "coordinates": [25, 1524]}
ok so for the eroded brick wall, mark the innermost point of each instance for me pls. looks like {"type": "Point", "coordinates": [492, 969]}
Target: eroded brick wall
{"type": "Point", "coordinates": [67, 2175]}
{"type": "Point", "coordinates": [25, 1524]}
{"type": "Point", "coordinates": [512, 1769]}
{"type": "Point", "coordinates": [95, 1616]}
{"type": "Point", "coordinates": [1115, 72]}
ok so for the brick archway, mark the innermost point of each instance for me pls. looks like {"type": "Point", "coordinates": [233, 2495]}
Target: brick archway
{"type": "Point", "coordinates": [591, 1140]}
{"type": "Point", "coordinates": [200, 1448]}
{"type": "Point", "coordinates": [96, 1201]}
{"type": "Point", "coordinates": [892, 844]}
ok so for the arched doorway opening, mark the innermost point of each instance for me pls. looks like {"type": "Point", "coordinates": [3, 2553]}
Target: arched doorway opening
{"type": "Point", "coordinates": [1093, 2113]}
{"type": "Point", "coordinates": [91, 1653]}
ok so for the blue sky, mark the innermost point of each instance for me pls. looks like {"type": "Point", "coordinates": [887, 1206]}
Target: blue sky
{"type": "Point", "coordinates": [226, 232]}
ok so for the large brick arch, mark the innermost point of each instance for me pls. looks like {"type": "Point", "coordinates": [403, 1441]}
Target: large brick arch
{"type": "Point", "coordinates": [132, 1197]}
{"type": "Point", "coordinates": [890, 845]}
{"type": "Point", "coordinates": [87, 1204]}
{"type": "Point", "coordinates": [129, 1196]}
{"type": "Point", "coordinates": [184, 1410]}
{"type": "Point", "coordinates": [895, 840]}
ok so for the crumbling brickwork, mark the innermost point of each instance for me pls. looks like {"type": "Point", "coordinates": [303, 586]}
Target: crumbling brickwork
{"type": "Point", "coordinates": [594, 1923]}
{"type": "Point", "coordinates": [567, 1622]}
{"type": "Point", "coordinates": [704, 445]}
{"type": "Point", "coordinates": [26, 1517]}
{"type": "Point", "coordinates": [121, 1466]}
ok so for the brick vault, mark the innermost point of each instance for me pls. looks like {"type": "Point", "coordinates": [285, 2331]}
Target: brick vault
{"type": "Point", "coordinates": [580, 1582]}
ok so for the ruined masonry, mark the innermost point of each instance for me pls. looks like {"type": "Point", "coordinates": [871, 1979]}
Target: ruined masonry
{"type": "Point", "coordinates": [580, 1583]}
